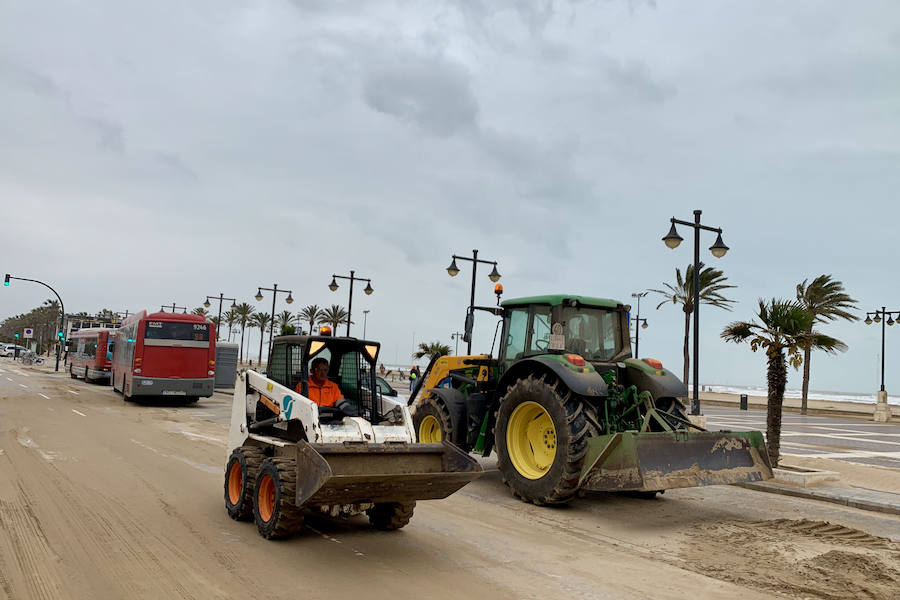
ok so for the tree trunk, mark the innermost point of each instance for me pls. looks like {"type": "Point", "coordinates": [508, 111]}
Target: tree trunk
{"type": "Point", "coordinates": [241, 351]}
{"type": "Point", "coordinates": [262, 335]}
{"type": "Point", "coordinates": [777, 379]}
{"type": "Point", "coordinates": [687, 354]}
{"type": "Point", "coordinates": [806, 355]}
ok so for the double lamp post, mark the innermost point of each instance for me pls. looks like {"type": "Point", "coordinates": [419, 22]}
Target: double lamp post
{"type": "Point", "coordinates": [494, 276]}
{"type": "Point", "coordinates": [259, 296]}
{"type": "Point", "coordinates": [718, 249]}
{"type": "Point", "coordinates": [333, 286]}
{"type": "Point", "coordinates": [220, 297]}
{"type": "Point", "coordinates": [885, 317]}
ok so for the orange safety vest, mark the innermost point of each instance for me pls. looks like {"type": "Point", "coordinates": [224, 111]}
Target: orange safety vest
{"type": "Point", "coordinates": [326, 394]}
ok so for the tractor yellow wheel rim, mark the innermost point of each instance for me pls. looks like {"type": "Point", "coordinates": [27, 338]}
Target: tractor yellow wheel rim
{"type": "Point", "coordinates": [430, 430]}
{"type": "Point", "coordinates": [531, 440]}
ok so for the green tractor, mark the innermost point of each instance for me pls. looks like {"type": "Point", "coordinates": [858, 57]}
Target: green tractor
{"type": "Point", "coordinates": [567, 408]}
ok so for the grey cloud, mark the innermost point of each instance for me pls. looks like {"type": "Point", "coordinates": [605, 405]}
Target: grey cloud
{"type": "Point", "coordinates": [175, 166]}
{"type": "Point", "coordinates": [632, 79]}
{"type": "Point", "coordinates": [110, 135]}
{"type": "Point", "coordinates": [431, 93]}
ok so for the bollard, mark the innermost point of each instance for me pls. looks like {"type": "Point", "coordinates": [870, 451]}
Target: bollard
{"type": "Point", "coordinates": [743, 401]}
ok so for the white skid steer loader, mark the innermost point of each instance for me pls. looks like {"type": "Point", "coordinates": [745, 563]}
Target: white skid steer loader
{"type": "Point", "coordinates": [288, 454]}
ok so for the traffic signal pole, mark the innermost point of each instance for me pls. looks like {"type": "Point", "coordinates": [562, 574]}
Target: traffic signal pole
{"type": "Point", "coordinates": [61, 334]}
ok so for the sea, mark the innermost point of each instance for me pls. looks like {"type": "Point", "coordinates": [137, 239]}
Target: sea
{"type": "Point", "coordinates": [869, 398]}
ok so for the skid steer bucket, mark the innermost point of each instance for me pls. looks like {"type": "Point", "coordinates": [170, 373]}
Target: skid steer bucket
{"type": "Point", "coordinates": [392, 472]}
{"type": "Point", "coordinates": [659, 461]}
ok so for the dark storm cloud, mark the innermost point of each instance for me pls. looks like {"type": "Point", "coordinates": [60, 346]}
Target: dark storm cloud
{"type": "Point", "coordinates": [429, 92]}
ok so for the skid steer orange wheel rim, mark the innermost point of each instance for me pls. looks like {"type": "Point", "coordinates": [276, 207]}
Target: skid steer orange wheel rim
{"type": "Point", "coordinates": [235, 483]}
{"type": "Point", "coordinates": [531, 440]}
{"type": "Point", "coordinates": [265, 499]}
{"type": "Point", "coordinates": [429, 430]}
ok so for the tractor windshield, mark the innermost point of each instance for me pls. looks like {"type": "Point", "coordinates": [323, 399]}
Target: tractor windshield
{"type": "Point", "coordinates": [594, 333]}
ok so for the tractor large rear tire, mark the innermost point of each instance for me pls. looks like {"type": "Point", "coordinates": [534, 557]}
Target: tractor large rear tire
{"type": "Point", "coordinates": [541, 436]}
{"type": "Point", "coordinates": [274, 493]}
{"type": "Point", "coordinates": [240, 481]}
{"type": "Point", "coordinates": [432, 422]}
{"type": "Point", "coordinates": [389, 516]}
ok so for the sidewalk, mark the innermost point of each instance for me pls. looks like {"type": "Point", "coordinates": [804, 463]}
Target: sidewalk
{"type": "Point", "coordinates": [859, 410]}
{"type": "Point", "coordinates": [862, 498]}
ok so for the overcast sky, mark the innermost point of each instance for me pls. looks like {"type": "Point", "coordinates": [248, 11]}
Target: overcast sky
{"type": "Point", "coordinates": [159, 152]}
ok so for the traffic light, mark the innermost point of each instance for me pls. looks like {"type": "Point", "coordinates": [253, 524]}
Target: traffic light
{"type": "Point", "coordinates": [6, 281]}
{"type": "Point", "coordinates": [62, 336]}
{"type": "Point", "coordinates": [16, 335]}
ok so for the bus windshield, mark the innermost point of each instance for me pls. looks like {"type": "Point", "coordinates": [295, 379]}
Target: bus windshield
{"type": "Point", "coordinates": [187, 332]}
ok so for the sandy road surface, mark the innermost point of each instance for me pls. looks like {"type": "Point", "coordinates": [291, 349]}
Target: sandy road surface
{"type": "Point", "coordinates": [103, 499]}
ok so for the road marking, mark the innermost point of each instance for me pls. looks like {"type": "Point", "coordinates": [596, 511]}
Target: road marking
{"type": "Point", "coordinates": [23, 385]}
{"type": "Point", "coordinates": [78, 413]}
{"type": "Point", "coordinates": [43, 395]}
{"type": "Point", "coordinates": [197, 436]}
{"type": "Point", "coordinates": [72, 392]}
{"type": "Point", "coordinates": [20, 373]}
{"type": "Point", "coordinates": [10, 379]}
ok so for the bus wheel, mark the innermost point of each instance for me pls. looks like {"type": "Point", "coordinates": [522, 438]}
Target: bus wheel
{"type": "Point", "coordinates": [125, 395]}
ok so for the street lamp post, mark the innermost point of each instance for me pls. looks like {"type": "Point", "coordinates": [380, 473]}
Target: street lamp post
{"type": "Point", "coordinates": [494, 276]}
{"type": "Point", "coordinates": [365, 321]}
{"type": "Point", "coordinates": [885, 317]}
{"type": "Point", "coordinates": [274, 289]}
{"type": "Point", "coordinates": [220, 297]}
{"type": "Point", "coordinates": [163, 308]}
{"type": "Point", "coordinates": [638, 322]}
{"type": "Point", "coordinates": [456, 335]}
{"type": "Point", "coordinates": [62, 313]}
{"type": "Point", "coordinates": [718, 249]}
{"type": "Point", "coordinates": [333, 286]}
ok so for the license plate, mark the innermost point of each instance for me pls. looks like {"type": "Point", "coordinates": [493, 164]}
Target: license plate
{"type": "Point", "coordinates": [174, 393]}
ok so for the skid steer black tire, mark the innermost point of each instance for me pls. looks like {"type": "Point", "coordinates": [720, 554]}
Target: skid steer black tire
{"type": "Point", "coordinates": [240, 481]}
{"type": "Point", "coordinates": [389, 516]}
{"type": "Point", "coordinates": [432, 408]}
{"type": "Point", "coordinates": [559, 483]}
{"type": "Point", "coordinates": [275, 491]}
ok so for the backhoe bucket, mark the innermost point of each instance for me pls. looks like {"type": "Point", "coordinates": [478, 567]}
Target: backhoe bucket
{"type": "Point", "coordinates": [356, 472]}
{"type": "Point", "coordinates": [632, 461]}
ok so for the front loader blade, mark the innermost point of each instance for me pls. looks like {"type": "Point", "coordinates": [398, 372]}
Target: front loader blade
{"type": "Point", "coordinates": [392, 472]}
{"type": "Point", "coordinates": [665, 460]}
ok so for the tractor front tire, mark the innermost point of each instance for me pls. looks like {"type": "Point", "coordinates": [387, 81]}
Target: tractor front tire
{"type": "Point", "coordinates": [274, 493]}
{"type": "Point", "coordinates": [240, 478]}
{"type": "Point", "coordinates": [389, 516]}
{"type": "Point", "coordinates": [541, 436]}
{"type": "Point", "coordinates": [432, 422]}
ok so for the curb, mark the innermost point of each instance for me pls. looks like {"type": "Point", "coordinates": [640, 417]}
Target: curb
{"type": "Point", "coordinates": [871, 500]}
{"type": "Point", "coordinates": [832, 412]}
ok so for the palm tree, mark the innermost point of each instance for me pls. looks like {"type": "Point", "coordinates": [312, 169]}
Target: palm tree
{"type": "Point", "coordinates": [261, 320]}
{"type": "Point", "coordinates": [230, 318]}
{"type": "Point", "coordinates": [334, 316]}
{"type": "Point", "coordinates": [432, 350]}
{"type": "Point", "coordinates": [826, 300]}
{"type": "Point", "coordinates": [217, 321]}
{"type": "Point", "coordinates": [712, 283]}
{"type": "Point", "coordinates": [785, 326]}
{"type": "Point", "coordinates": [200, 311]}
{"type": "Point", "coordinates": [312, 314]}
{"type": "Point", "coordinates": [243, 312]}
{"type": "Point", "coordinates": [284, 319]}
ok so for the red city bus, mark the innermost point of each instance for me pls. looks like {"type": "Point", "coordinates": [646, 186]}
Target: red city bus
{"type": "Point", "coordinates": [90, 354]}
{"type": "Point", "coordinates": [165, 354]}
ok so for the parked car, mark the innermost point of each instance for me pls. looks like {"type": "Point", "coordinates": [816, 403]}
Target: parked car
{"type": "Point", "coordinates": [386, 390]}
{"type": "Point", "coordinates": [10, 349]}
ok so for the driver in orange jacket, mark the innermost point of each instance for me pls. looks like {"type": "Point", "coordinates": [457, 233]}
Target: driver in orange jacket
{"type": "Point", "coordinates": [322, 390]}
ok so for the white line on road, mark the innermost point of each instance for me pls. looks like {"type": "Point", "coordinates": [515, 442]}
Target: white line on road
{"type": "Point", "coordinates": [78, 413]}
{"type": "Point", "coordinates": [72, 392]}
{"type": "Point", "coordinates": [10, 379]}
{"type": "Point", "coordinates": [43, 396]}
{"type": "Point", "coordinates": [20, 373]}
{"type": "Point", "coordinates": [23, 385]}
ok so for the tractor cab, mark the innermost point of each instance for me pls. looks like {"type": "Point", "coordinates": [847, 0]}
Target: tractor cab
{"type": "Point", "coordinates": [351, 366]}
{"type": "Point", "coordinates": [595, 329]}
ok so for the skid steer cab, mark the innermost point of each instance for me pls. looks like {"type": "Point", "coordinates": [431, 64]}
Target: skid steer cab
{"type": "Point", "coordinates": [359, 454]}
{"type": "Point", "coordinates": [568, 409]}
